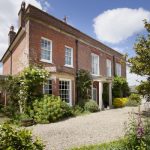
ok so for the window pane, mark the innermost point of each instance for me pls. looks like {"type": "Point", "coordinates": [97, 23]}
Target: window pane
{"type": "Point", "coordinates": [46, 49]}
{"type": "Point", "coordinates": [64, 90]}
{"type": "Point", "coordinates": [68, 56]}
{"type": "Point", "coordinates": [108, 67]}
{"type": "Point", "coordinates": [95, 64]}
{"type": "Point", "coordinates": [118, 69]}
{"type": "Point", "coordinates": [47, 89]}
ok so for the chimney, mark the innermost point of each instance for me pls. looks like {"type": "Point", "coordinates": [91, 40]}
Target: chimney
{"type": "Point", "coordinates": [65, 19]}
{"type": "Point", "coordinates": [21, 15]}
{"type": "Point", "coordinates": [11, 35]}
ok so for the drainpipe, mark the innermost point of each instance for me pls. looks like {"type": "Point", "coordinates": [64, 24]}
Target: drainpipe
{"type": "Point", "coordinates": [10, 62]}
{"type": "Point", "coordinates": [114, 66]}
{"type": "Point", "coordinates": [77, 94]}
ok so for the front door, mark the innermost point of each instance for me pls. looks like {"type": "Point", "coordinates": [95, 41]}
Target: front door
{"type": "Point", "coordinates": [94, 94]}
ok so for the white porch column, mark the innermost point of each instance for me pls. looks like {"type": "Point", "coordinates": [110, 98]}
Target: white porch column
{"type": "Point", "coordinates": [100, 95]}
{"type": "Point", "coordinates": [110, 95]}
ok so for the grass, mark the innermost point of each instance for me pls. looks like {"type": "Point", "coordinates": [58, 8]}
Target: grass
{"type": "Point", "coordinates": [115, 145]}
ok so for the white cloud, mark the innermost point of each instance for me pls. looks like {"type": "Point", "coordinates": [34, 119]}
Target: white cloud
{"type": "Point", "coordinates": [116, 25]}
{"type": "Point", "coordinates": [9, 16]}
{"type": "Point", "coordinates": [134, 79]}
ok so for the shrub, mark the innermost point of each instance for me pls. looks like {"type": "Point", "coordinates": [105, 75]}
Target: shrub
{"type": "Point", "coordinates": [138, 133]}
{"type": "Point", "coordinates": [91, 106]}
{"type": "Point", "coordinates": [16, 139]}
{"type": "Point", "coordinates": [134, 100]}
{"type": "Point", "coordinates": [77, 110]}
{"type": "Point", "coordinates": [119, 102]}
{"type": "Point", "coordinates": [50, 109]}
{"type": "Point", "coordinates": [135, 97]}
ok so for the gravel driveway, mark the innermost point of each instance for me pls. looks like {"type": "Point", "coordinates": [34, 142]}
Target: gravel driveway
{"type": "Point", "coordinates": [88, 129]}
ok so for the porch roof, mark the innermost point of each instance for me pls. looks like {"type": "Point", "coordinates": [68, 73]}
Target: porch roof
{"type": "Point", "coordinates": [102, 79]}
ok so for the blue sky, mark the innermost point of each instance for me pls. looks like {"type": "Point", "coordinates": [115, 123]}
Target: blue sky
{"type": "Point", "coordinates": [113, 22]}
{"type": "Point", "coordinates": [81, 14]}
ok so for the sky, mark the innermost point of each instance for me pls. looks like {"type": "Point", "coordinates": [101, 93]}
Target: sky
{"type": "Point", "coordinates": [116, 23]}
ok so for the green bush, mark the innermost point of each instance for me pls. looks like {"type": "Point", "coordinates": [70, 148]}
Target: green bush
{"type": "Point", "coordinates": [120, 87]}
{"type": "Point", "coordinates": [50, 109]}
{"type": "Point", "coordinates": [16, 139]}
{"type": "Point", "coordinates": [91, 106]}
{"type": "Point", "coordinates": [77, 110]}
{"type": "Point", "coordinates": [119, 102]}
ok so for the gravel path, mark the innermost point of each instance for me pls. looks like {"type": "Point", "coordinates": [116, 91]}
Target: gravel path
{"type": "Point", "coordinates": [88, 129]}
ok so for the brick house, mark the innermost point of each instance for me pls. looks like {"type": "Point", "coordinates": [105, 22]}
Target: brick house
{"type": "Point", "coordinates": [62, 50]}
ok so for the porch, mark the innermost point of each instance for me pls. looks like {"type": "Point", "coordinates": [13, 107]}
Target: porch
{"type": "Point", "coordinates": [102, 92]}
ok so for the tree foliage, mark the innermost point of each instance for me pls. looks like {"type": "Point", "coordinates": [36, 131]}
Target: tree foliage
{"type": "Point", "coordinates": [140, 64]}
{"type": "Point", "coordinates": [23, 88]}
{"type": "Point", "coordinates": [84, 81]}
{"type": "Point", "coordinates": [120, 87]}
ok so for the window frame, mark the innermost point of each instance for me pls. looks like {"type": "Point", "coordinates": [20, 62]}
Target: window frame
{"type": "Point", "coordinates": [51, 50]}
{"type": "Point", "coordinates": [67, 65]}
{"type": "Point", "coordinates": [70, 89]}
{"type": "Point", "coordinates": [51, 85]}
{"type": "Point", "coordinates": [118, 70]}
{"type": "Point", "coordinates": [108, 62]}
{"type": "Point", "coordinates": [98, 72]}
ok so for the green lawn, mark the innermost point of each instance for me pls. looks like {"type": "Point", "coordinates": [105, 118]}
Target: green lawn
{"type": "Point", "coordinates": [115, 145]}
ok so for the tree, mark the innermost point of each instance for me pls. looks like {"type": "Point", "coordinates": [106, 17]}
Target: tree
{"type": "Point", "coordinates": [120, 87]}
{"type": "Point", "coordinates": [23, 88]}
{"type": "Point", "coordinates": [140, 64]}
{"type": "Point", "coordinates": [84, 82]}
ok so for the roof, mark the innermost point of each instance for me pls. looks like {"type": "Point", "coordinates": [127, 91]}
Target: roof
{"type": "Point", "coordinates": [33, 12]}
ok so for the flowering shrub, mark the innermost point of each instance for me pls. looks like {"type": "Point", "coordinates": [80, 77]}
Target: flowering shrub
{"type": "Point", "coordinates": [119, 102]}
{"type": "Point", "coordinates": [30, 81]}
{"type": "Point", "coordinates": [138, 133]}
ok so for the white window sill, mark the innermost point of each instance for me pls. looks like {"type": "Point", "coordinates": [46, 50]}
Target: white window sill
{"type": "Point", "coordinates": [68, 66]}
{"type": "Point", "coordinates": [95, 74]}
{"type": "Point", "coordinates": [47, 61]}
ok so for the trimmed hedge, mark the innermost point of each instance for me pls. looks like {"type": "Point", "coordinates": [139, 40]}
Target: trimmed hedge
{"type": "Point", "coordinates": [120, 102]}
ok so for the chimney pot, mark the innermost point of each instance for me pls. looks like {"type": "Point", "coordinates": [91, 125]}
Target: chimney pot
{"type": "Point", "coordinates": [11, 28]}
{"type": "Point", "coordinates": [23, 5]}
{"type": "Point", "coordinates": [11, 34]}
{"type": "Point", "coordinates": [21, 14]}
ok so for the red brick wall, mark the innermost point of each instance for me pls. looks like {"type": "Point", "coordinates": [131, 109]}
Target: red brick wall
{"type": "Point", "coordinates": [6, 66]}
{"type": "Point", "coordinates": [19, 58]}
{"type": "Point", "coordinates": [59, 41]}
